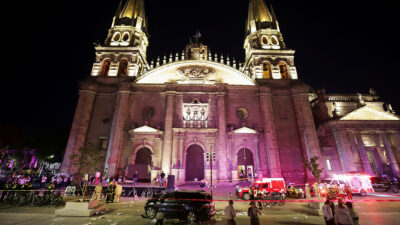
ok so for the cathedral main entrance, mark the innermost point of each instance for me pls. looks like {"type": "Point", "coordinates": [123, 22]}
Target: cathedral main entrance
{"type": "Point", "coordinates": [143, 164]}
{"type": "Point", "coordinates": [245, 164]}
{"type": "Point", "coordinates": [194, 163]}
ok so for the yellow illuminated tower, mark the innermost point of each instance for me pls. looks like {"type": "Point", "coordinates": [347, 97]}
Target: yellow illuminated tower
{"type": "Point", "coordinates": [266, 54]}
{"type": "Point", "coordinates": [124, 50]}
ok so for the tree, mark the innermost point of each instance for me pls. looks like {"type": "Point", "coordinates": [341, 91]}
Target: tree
{"type": "Point", "coordinates": [88, 160]}
{"type": "Point", "coordinates": [313, 166]}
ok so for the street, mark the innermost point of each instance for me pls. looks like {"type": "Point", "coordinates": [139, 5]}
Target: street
{"type": "Point", "coordinates": [377, 208]}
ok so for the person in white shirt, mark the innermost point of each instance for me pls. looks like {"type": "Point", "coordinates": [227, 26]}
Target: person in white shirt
{"type": "Point", "coordinates": [353, 213]}
{"type": "Point", "coordinates": [328, 215]}
{"type": "Point", "coordinates": [43, 183]}
{"type": "Point", "coordinates": [230, 214]}
{"type": "Point", "coordinates": [342, 215]}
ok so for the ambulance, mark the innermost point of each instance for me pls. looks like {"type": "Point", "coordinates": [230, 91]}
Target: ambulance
{"type": "Point", "coordinates": [359, 183]}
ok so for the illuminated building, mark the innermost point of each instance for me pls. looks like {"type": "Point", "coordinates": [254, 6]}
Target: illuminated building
{"type": "Point", "coordinates": [256, 117]}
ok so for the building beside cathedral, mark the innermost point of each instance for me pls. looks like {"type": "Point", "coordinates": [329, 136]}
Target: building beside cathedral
{"type": "Point", "coordinates": [257, 117]}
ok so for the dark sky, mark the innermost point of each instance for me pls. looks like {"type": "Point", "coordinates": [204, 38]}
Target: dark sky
{"type": "Point", "coordinates": [342, 46]}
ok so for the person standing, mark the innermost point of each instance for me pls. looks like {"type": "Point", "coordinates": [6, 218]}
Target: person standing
{"type": "Point", "coordinates": [135, 178]}
{"type": "Point", "coordinates": [97, 192]}
{"type": "Point", "coordinates": [253, 213]}
{"type": "Point", "coordinates": [341, 193]}
{"type": "Point", "coordinates": [118, 192]}
{"type": "Point", "coordinates": [230, 214]}
{"type": "Point", "coordinates": [162, 176]}
{"type": "Point", "coordinates": [110, 193]}
{"type": "Point", "coordinates": [308, 192]}
{"type": "Point", "coordinates": [43, 181]}
{"type": "Point", "coordinates": [347, 190]}
{"type": "Point", "coordinates": [342, 215]}
{"type": "Point", "coordinates": [353, 213]}
{"type": "Point", "coordinates": [328, 215]}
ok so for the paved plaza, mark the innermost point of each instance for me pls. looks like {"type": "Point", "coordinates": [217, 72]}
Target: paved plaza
{"type": "Point", "coordinates": [377, 208]}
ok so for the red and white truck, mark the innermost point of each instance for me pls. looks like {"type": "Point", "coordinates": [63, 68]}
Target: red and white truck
{"type": "Point", "coordinates": [359, 183]}
{"type": "Point", "coordinates": [264, 185]}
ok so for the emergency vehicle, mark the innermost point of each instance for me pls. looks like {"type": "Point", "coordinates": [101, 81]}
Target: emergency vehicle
{"type": "Point", "coordinates": [359, 183]}
{"type": "Point", "coordinates": [264, 185]}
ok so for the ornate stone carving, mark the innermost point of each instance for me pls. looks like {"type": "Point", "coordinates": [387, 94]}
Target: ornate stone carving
{"type": "Point", "coordinates": [196, 73]}
{"type": "Point", "coordinates": [195, 114]}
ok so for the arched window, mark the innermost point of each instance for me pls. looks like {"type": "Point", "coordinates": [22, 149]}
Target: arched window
{"type": "Point", "coordinates": [284, 70]}
{"type": "Point", "coordinates": [267, 74]}
{"type": "Point", "coordinates": [105, 68]}
{"type": "Point", "coordinates": [116, 36]}
{"type": "Point", "coordinates": [123, 68]}
{"type": "Point", "coordinates": [125, 37]}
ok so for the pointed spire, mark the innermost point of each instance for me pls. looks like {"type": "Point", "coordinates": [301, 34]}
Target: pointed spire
{"type": "Point", "coordinates": [258, 14]}
{"type": "Point", "coordinates": [274, 19]}
{"type": "Point", "coordinates": [132, 13]}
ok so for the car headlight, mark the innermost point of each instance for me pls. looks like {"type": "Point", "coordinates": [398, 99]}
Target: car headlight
{"type": "Point", "coordinates": [239, 190]}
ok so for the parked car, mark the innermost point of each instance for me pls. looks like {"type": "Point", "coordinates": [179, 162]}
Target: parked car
{"type": "Point", "coordinates": [294, 191]}
{"type": "Point", "coordinates": [264, 185]}
{"type": "Point", "coordinates": [193, 206]}
{"type": "Point", "coordinates": [385, 184]}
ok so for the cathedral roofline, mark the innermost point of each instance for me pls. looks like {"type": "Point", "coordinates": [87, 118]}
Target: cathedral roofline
{"type": "Point", "coordinates": [197, 72]}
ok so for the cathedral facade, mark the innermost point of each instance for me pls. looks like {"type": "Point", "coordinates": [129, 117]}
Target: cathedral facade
{"type": "Point", "coordinates": [197, 114]}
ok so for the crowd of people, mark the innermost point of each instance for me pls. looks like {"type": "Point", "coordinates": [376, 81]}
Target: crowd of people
{"type": "Point", "coordinates": [20, 181]}
{"type": "Point", "coordinates": [341, 214]}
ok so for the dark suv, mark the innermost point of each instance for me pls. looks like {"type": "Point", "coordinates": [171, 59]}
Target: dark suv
{"type": "Point", "coordinates": [193, 206]}
{"type": "Point", "coordinates": [385, 184]}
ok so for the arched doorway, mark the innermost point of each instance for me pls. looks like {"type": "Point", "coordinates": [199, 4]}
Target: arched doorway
{"type": "Point", "coordinates": [194, 163]}
{"type": "Point", "coordinates": [245, 163]}
{"type": "Point", "coordinates": [143, 164]}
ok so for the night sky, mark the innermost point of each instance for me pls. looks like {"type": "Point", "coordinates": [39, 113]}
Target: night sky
{"type": "Point", "coordinates": [344, 47]}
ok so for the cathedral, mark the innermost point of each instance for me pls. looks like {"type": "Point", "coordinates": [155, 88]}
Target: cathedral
{"type": "Point", "coordinates": [197, 114]}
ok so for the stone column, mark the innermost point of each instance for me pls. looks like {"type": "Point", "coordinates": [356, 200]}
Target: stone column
{"type": "Point", "coordinates": [354, 150]}
{"type": "Point", "coordinates": [344, 151]}
{"type": "Point", "coordinates": [167, 143]}
{"type": "Point", "coordinates": [115, 146]}
{"type": "Point", "coordinates": [363, 155]}
{"type": "Point", "coordinates": [257, 169]}
{"type": "Point", "coordinates": [221, 147]}
{"type": "Point", "coordinates": [80, 124]}
{"type": "Point", "coordinates": [272, 159]}
{"type": "Point", "coordinates": [395, 140]}
{"type": "Point", "coordinates": [180, 150]}
{"type": "Point", "coordinates": [174, 150]}
{"type": "Point", "coordinates": [392, 160]}
{"type": "Point", "coordinates": [305, 123]}
{"type": "Point", "coordinates": [234, 163]}
{"type": "Point", "coordinates": [378, 155]}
